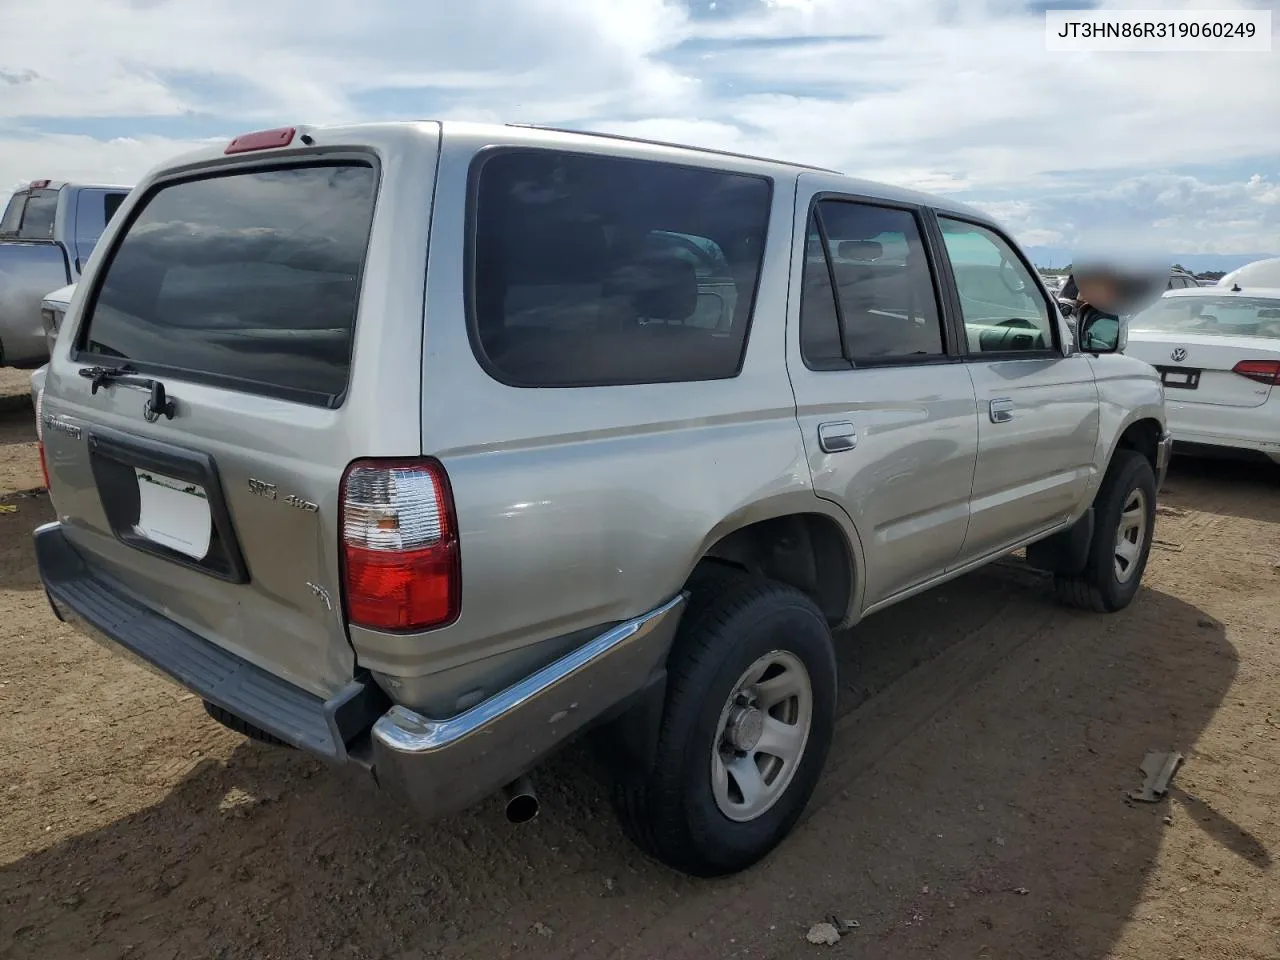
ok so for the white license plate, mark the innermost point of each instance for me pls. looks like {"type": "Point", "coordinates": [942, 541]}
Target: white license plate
{"type": "Point", "coordinates": [1181, 379]}
{"type": "Point", "coordinates": [174, 513]}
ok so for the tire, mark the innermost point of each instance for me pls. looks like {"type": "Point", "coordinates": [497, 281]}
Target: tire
{"type": "Point", "coordinates": [1100, 587]}
{"type": "Point", "coordinates": [733, 624]}
{"type": "Point", "coordinates": [232, 722]}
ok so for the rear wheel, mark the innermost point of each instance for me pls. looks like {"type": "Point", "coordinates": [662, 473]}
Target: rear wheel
{"type": "Point", "coordinates": [745, 730]}
{"type": "Point", "coordinates": [1125, 511]}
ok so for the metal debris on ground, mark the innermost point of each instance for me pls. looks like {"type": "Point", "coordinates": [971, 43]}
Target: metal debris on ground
{"type": "Point", "coordinates": [1159, 768]}
{"type": "Point", "coordinates": [842, 926]}
{"type": "Point", "coordinates": [8, 508]}
{"type": "Point", "coordinates": [1166, 511]}
{"type": "Point", "coordinates": [1167, 545]}
{"type": "Point", "coordinates": [823, 934]}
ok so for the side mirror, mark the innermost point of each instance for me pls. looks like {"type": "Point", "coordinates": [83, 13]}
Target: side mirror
{"type": "Point", "coordinates": [1105, 335]}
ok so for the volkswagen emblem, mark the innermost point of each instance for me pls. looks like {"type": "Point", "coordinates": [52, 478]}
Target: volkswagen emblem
{"type": "Point", "coordinates": [1179, 354]}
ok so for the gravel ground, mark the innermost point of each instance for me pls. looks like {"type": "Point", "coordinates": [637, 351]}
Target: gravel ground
{"type": "Point", "coordinates": [973, 806]}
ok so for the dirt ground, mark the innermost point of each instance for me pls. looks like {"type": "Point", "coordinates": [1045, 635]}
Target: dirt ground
{"type": "Point", "coordinates": [973, 806]}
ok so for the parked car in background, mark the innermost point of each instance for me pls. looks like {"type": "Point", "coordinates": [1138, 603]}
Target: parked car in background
{"type": "Point", "coordinates": [1260, 273]}
{"type": "Point", "coordinates": [678, 415]}
{"type": "Point", "coordinates": [46, 234]}
{"type": "Point", "coordinates": [1180, 279]}
{"type": "Point", "coordinates": [53, 308]}
{"type": "Point", "coordinates": [1218, 353]}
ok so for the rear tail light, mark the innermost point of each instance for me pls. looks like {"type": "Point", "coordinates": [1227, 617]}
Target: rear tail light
{"type": "Point", "coordinates": [400, 545]}
{"type": "Point", "coordinates": [44, 466]}
{"type": "Point", "coordinates": [1263, 371]}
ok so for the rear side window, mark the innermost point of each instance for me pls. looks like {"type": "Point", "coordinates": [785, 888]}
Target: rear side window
{"type": "Point", "coordinates": [248, 280]}
{"type": "Point", "coordinates": [868, 293]}
{"type": "Point", "coordinates": [590, 270]}
{"type": "Point", "coordinates": [37, 220]}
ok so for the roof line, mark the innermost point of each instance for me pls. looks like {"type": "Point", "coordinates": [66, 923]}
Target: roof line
{"type": "Point", "coordinates": [675, 146]}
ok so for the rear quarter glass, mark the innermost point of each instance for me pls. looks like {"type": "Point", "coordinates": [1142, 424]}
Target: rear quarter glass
{"type": "Point", "coordinates": [588, 270]}
{"type": "Point", "coordinates": [248, 279]}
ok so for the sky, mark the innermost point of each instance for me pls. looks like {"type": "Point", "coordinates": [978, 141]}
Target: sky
{"type": "Point", "coordinates": [1179, 150]}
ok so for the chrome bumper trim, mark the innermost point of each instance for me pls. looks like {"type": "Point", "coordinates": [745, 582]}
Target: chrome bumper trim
{"type": "Point", "coordinates": [442, 766]}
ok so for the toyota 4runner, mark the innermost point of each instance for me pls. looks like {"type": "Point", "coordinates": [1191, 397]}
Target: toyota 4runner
{"type": "Point", "coordinates": [427, 447]}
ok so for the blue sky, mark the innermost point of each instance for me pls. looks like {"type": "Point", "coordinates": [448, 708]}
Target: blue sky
{"type": "Point", "coordinates": [955, 96]}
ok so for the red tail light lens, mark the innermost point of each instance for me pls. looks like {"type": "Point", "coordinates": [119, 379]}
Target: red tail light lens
{"type": "Point", "coordinates": [400, 545]}
{"type": "Point", "coordinates": [261, 140]}
{"type": "Point", "coordinates": [44, 466]}
{"type": "Point", "coordinates": [1263, 371]}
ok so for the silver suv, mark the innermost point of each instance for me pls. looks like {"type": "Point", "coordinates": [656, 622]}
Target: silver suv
{"type": "Point", "coordinates": [428, 447]}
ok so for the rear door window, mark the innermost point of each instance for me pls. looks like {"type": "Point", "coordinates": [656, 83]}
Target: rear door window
{"type": "Point", "coordinates": [868, 292]}
{"type": "Point", "coordinates": [591, 270]}
{"type": "Point", "coordinates": [248, 280]}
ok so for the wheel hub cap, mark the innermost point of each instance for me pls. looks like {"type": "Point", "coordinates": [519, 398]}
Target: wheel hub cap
{"type": "Point", "coordinates": [744, 729]}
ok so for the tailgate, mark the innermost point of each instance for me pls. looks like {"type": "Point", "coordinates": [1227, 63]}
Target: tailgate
{"type": "Point", "coordinates": [205, 479]}
{"type": "Point", "coordinates": [1198, 369]}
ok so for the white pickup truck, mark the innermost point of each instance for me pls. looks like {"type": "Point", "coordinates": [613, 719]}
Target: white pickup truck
{"type": "Point", "coordinates": [46, 234]}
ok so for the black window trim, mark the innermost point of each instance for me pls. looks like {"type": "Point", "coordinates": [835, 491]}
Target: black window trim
{"type": "Point", "coordinates": [950, 345]}
{"type": "Point", "coordinates": [470, 234]}
{"type": "Point", "coordinates": [321, 157]}
{"type": "Point", "coordinates": [953, 294]}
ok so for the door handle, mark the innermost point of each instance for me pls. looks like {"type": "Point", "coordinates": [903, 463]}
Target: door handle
{"type": "Point", "coordinates": [1001, 410]}
{"type": "Point", "coordinates": [836, 436]}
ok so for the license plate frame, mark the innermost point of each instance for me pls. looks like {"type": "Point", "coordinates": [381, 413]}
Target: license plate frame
{"type": "Point", "coordinates": [116, 457]}
{"type": "Point", "coordinates": [1180, 378]}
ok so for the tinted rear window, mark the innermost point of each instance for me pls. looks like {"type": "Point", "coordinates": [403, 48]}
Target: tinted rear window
{"type": "Point", "coordinates": [37, 221]}
{"type": "Point", "coordinates": [592, 270]}
{"type": "Point", "coordinates": [249, 280]}
{"type": "Point", "coordinates": [13, 214]}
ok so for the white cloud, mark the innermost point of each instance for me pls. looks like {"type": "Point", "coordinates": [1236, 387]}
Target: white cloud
{"type": "Point", "coordinates": [934, 94]}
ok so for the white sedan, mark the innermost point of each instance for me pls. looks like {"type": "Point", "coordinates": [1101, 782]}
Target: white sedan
{"type": "Point", "coordinates": [1218, 353]}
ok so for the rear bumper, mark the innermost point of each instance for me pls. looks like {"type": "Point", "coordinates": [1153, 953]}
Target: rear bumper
{"type": "Point", "coordinates": [438, 766]}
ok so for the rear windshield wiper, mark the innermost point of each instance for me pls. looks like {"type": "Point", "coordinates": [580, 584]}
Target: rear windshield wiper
{"type": "Point", "coordinates": [101, 376]}
{"type": "Point", "coordinates": [159, 405]}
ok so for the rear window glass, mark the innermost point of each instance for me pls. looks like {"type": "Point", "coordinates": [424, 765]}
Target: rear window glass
{"type": "Point", "coordinates": [37, 221]}
{"type": "Point", "coordinates": [593, 270]}
{"type": "Point", "coordinates": [13, 214]}
{"type": "Point", "coordinates": [249, 280]}
{"type": "Point", "coordinates": [1212, 316]}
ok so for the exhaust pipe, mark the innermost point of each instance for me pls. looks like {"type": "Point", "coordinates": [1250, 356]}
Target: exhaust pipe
{"type": "Point", "coordinates": [522, 802]}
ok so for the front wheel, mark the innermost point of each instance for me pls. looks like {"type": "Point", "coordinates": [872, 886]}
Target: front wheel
{"type": "Point", "coordinates": [745, 731]}
{"type": "Point", "coordinates": [1125, 512]}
